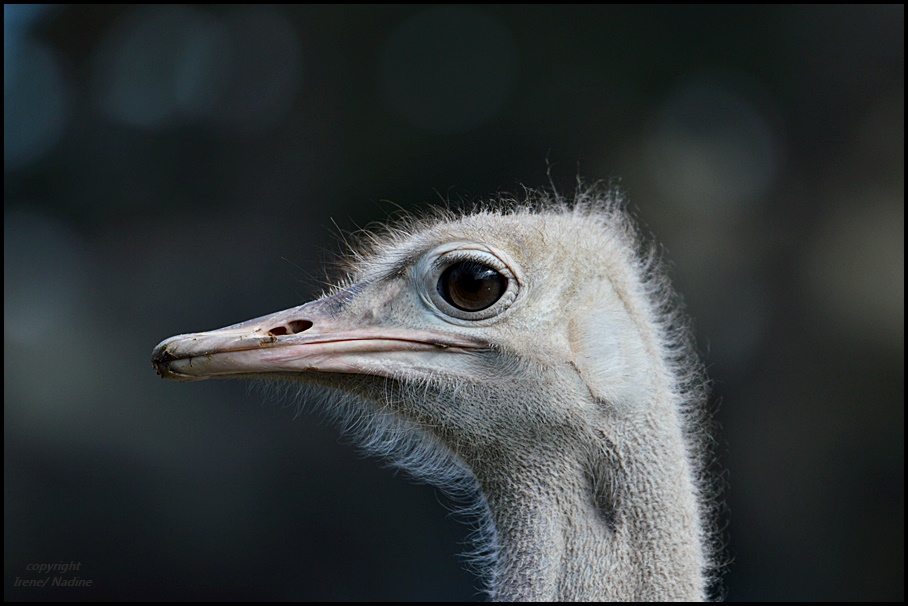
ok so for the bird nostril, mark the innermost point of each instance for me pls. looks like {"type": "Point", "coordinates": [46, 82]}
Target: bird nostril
{"type": "Point", "coordinates": [291, 328]}
{"type": "Point", "coordinates": [298, 326]}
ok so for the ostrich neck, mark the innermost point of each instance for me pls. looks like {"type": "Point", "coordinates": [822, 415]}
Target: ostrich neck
{"type": "Point", "coordinates": [621, 525]}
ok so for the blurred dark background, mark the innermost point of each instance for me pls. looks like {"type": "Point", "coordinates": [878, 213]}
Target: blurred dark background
{"type": "Point", "coordinates": [177, 168]}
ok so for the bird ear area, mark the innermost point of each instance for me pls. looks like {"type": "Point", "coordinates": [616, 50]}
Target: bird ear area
{"type": "Point", "coordinates": [607, 348]}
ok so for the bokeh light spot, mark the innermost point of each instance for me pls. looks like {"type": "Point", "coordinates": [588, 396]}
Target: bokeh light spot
{"type": "Point", "coordinates": [158, 61]}
{"type": "Point", "coordinates": [712, 147]}
{"type": "Point", "coordinates": [163, 63]}
{"type": "Point", "coordinates": [35, 101]}
{"type": "Point", "coordinates": [448, 69]}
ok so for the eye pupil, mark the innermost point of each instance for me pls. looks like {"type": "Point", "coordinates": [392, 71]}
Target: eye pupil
{"type": "Point", "coordinates": [471, 286]}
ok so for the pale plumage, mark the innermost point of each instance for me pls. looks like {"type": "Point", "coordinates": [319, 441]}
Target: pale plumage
{"type": "Point", "coordinates": [529, 356]}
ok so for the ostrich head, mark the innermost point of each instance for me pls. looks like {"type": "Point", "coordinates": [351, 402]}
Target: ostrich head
{"type": "Point", "coordinates": [531, 352]}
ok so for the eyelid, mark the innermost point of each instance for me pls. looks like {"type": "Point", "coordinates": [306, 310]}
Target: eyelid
{"type": "Point", "coordinates": [476, 256]}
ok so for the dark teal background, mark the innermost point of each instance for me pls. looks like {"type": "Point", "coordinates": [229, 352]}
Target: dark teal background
{"type": "Point", "coordinates": [173, 169]}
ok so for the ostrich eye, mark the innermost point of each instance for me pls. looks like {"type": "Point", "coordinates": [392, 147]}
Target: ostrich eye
{"type": "Point", "coordinates": [466, 283]}
{"type": "Point", "coordinates": [471, 286]}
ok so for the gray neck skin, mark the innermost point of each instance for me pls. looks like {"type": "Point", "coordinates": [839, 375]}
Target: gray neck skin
{"type": "Point", "coordinates": [620, 523]}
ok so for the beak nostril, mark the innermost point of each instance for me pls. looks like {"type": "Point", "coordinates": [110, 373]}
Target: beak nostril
{"type": "Point", "coordinates": [298, 326]}
{"type": "Point", "coordinates": [291, 328]}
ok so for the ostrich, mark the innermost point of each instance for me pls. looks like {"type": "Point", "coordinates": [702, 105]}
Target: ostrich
{"type": "Point", "coordinates": [528, 354]}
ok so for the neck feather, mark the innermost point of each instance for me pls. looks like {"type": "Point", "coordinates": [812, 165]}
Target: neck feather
{"type": "Point", "coordinates": [618, 521]}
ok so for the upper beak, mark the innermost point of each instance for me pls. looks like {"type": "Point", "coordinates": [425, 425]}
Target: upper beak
{"type": "Point", "coordinates": [317, 336]}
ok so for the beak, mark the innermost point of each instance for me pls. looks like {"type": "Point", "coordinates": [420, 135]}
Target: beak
{"type": "Point", "coordinates": [315, 337]}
